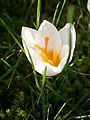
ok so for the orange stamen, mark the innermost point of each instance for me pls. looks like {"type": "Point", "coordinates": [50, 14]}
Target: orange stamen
{"type": "Point", "coordinates": [46, 42]}
{"type": "Point", "coordinates": [51, 57]}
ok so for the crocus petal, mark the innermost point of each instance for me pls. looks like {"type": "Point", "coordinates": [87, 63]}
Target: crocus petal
{"type": "Point", "coordinates": [28, 39]}
{"type": "Point", "coordinates": [88, 5]}
{"type": "Point", "coordinates": [48, 29]}
{"type": "Point", "coordinates": [51, 70]}
{"type": "Point", "coordinates": [29, 35]}
{"type": "Point", "coordinates": [64, 51]}
{"type": "Point", "coordinates": [64, 34]}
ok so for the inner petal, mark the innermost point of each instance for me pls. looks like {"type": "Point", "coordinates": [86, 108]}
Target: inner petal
{"type": "Point", "coordinates": [49, 56]}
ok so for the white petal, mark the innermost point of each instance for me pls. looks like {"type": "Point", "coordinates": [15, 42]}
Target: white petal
{"type": "Point", "coordinates": [48, 29]}
{"type": "Point", "coordinates": [64, 34]}
{"type": "Point", "coordinates": [64, 51]}
{"type": "Point", "coordinates": [63, 62]}
{"type": "Point", "coordinates": [28, 39]}
{"type": "Point", "coordinates": [34, 54]}
{"type": "Point", "coordinates": [51, 70]}
{"type": "Point", "coordinates": [88, 5]}
{"type": "Point", "coordinates": [28, 35]}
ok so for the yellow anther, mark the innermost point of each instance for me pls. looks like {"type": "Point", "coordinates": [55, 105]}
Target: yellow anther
{"type": "Point", "coordinates": [39, 48]}
{"type": "Point", "coordinates": [55, 54]}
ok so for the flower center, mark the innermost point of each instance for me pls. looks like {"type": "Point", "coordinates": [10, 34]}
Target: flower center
{"type": "Point", "coordinates": [51, 57]}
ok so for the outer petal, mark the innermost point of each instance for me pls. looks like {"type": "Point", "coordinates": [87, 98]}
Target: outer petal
{"type": "Point", "coordinates": [64, 51]}
{"type": "Point", "coordinates": [29, 35]}
{"type": "Point", "coordinates": [64, 34]}
{"type": "Point", "coordinates": [28, 39]}
{"type": "Point", "coordinates": [88, 5]}
{"type": "Point", "coordinates": [48, 29]}
{"type": "Point", "coordinates": [51, 70]}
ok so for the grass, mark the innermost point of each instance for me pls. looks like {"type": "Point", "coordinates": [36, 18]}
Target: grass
{"type": "Point", "coordinates": [27, 95]}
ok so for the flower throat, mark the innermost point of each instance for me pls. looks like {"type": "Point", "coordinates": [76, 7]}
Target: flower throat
{"type": "Point", "coordinates": [52, 57]}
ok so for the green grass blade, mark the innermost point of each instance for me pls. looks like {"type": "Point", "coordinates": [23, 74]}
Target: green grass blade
{"type": "Point", "coordinates": [12, 35]}
{"type": "Point", "coordinates": [55, 13]}
{"type": "Point", "coordinates": [81, 117]}
{"type": "Point", "coordinates": [28, 11]}
{"type": "Point", "coordinates": [59, 111]}
{"type": "Point", "coordinates": [5, 74]}
{"type": "Point", "coordinates": [80, 8]}
{"type": "Point", "coordinates": [28, 76]}
{"type": "Point", "coordinates": [35, 25]}
{"type": "Point", "coordinates": [11, 78]}
{"type": "Point", "coordinates": [42, 94]}
{"type": "Point", "coordinates": [38, 13]}
{"type": "Point", "coordinates": [43, 106]}
{"type": "Point", "coordinates": [6, 62]}
{"type": "Point", "coordinates": [77, 104]}
{"type": "Point", "coordinates": [10, 49]}
{"type": "Point", "coordinates": [48, 111]}
{"type": "Point", "coordinates": [4, 47]}
{"type": "Point", "coordinates": [44, 76]}
{"type": "Point", "coordinates": [60, 13]}
{"type": "Point", "coordinates": [32, 100]}
{"type": "Point", "coordinates": [83, 28]}
{"type": "Point", "coordinates": [43, 83]}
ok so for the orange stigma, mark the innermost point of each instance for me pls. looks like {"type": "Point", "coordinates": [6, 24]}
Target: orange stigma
{"type": "Point", "coordinates": [51, 57]}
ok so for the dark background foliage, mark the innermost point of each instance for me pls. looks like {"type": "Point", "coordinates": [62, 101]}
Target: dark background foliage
{"type": "Point", "coordinates": [18, 92]}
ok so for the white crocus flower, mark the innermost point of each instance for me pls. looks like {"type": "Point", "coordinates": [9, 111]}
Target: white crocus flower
{"type": "Point", "coordinates": [48, 46]}
{"type": "Point", "coordinates": [88, 5]}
